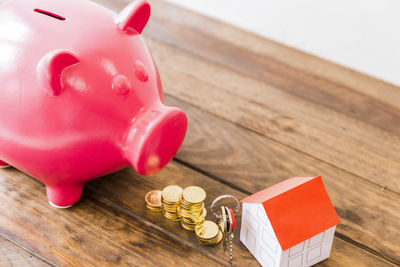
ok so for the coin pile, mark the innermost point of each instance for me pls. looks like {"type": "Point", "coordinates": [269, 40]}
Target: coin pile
{"type": "Point", "coordinates": [186, 206]}
{"type": "Point", "coordinates": [191, 207]}
{"type": "Point", "coordinates": [209, 233]}
{"type": "Point", "coordinates": [170, 196]}
{"type": "Point", "coordinates": [153, 200]}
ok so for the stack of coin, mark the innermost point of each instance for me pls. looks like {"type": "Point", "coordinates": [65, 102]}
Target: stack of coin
{"type": "Point", "coordinates": [170, 200]}
{"type": "Point", "coordinates": [153, 200]}
{"type": "Point", "coordinates": [209, 233]}
{"type": "Point", "coordinates": [191, 208]}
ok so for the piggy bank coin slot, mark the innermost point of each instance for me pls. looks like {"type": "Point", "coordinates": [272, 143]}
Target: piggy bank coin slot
{"type": "Point", "coordinates": [50, 14]}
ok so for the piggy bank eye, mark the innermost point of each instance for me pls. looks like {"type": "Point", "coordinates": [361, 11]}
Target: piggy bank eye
{"type": "Point", "coordinates": [121, 85]}
{"type": "Point", "coordinates": [140, 71]}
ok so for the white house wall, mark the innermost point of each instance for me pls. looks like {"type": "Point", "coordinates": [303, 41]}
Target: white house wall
{"type": "Point", "coordinates": [309, 252]}
{"type": "Point", "coordinates": [257, 235]}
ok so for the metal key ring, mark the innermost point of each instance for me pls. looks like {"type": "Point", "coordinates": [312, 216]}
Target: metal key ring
{"type": "Point", "coordinates": [223, 197]}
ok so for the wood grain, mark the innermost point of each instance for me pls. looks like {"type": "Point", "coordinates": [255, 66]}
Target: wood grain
{"type": "Point", "coordinates": [204, 40]}
{"type": "Point", "coordinates": [250, 162]}
{"type": "Point", "coordinates": [187, 37]}
{"type": "Point", "coordinates": [320, 68]}
{"type": "Point", "coordinates": [299, 123]}
{"type": "Point", "coordinates": [256, 90]}
{"type": "Point", "coordinates": [13, 256]}
{"type": "Point", "coordinates": [89, 234]}
{"type": "Point", "coordinates": [345, 254]}
{"type": "Point", "coordinates": [215, 29]}
{"type": "Point", "coordinates": [178, 174]}
{"type": "Point", "coordinates": [259, 112]}
{"type": "Point", "coordinates": [111, 225]}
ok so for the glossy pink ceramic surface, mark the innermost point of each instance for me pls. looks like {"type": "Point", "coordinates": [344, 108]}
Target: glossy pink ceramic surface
{"type": "Point", "coordinates": [80, 95]}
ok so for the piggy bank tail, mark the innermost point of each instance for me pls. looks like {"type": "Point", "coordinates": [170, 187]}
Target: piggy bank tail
{"type": "Point", "coordinates": [154, 138]}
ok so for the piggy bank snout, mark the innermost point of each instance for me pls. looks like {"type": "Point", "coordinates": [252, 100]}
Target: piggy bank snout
{"type": "Point", "coordinates": [154, 139]}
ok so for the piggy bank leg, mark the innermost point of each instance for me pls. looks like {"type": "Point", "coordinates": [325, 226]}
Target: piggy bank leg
{"type": "Point", "coordinates": [63, 196]}
{"type": "Point", "coordinates": [3, 164]}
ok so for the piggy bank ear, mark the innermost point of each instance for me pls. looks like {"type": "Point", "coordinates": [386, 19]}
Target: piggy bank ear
{"type": "Point", "coordinates": [134, 16]}
{"type": "Point", "coordinates": [51, 67]}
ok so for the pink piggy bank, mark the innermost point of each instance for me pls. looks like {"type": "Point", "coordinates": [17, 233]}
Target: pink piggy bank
{"type": "Point", "coordinates": [80, 95]}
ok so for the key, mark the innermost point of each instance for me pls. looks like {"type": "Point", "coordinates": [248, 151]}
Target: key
{"type": "Point", "coordinates": [228, 227]}
{"type": "Point", "coordinates": [227, 222]}
{"type": "Point", "coordinates": [232, 223]}
{"type": "Point", "coordinates": [224, 223]}
{"type": "Point", "coordinates": [229, 232]}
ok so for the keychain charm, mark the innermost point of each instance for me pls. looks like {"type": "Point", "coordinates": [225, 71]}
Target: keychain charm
{"type": "Point", "coordinates": [226, 222]}
{"type": "Point", "coordinates": [219, 216]}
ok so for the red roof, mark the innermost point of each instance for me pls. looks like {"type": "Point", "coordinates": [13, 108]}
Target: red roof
{"type": "Point", "coordinates": [298, 209]}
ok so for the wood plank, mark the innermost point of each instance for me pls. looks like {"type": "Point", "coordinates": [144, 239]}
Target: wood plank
{"type": "Point", "coordinates": [204, 40]}
{"type": "Point", "coordinates": [365, 84]}
{"type": "Point", "coordinates": [89, 234]}
{"type": "Point", "coordinates": [250, 162]}
{"type": "Point", "coordinates": [342, 76]}
{"type": "Point", "coordinates": [289, 127]}
{"type": "Point", "coordinates": [111, 224]}
{"type": "Point", "coordinates": [360, 160]}
{"type": "Point", "coordinates": [256, 90]}
{"type": "Point", "coordinates": [344, 254]}
{"type": "Point", "coordinates": [327, 127]}
{"type": "Point", "coordinates": [99, 229]}
{"type": "Point", "coordinates": [113, 189]}
{"type": "Point", "coordinates": [11, 255]}
{"type": "Point", "coordinates": [188, 93]}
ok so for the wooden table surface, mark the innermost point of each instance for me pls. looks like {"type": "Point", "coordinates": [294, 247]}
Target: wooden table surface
{"type": "Point", "coordinates": [259, 112]}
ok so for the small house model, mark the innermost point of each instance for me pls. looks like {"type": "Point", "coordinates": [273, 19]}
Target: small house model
{"type": "Point", "coordinates": [289, 224]}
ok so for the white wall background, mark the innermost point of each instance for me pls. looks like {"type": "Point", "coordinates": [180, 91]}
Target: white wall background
{"type": "Point", "coordinates": [361, 34]}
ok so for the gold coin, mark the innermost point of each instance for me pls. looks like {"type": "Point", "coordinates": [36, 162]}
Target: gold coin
{"type": "Point", "coordinates": [208, 230]}
{"type": "Point", "coordinates": [155, 209]}
{"type": "Point", "coordinates": [194, 194]}
{"type": "Point", "coordinates": [153, 198]}
{"type": "Point", "coordinates": [171, 193]}
{"type": "Point", "coordinates": [167, 202]}
{"type": "Point", "coordinates": [192, 207]}
{"type": "Point", "coordinates": [217, 239]}
{"type": "Point", "coordinates": [192, 226]}
{"type": "Point", "coordinates": [170, 207]}
{"type": "Point", "coordinates": [212, 241]}
{"type": "Point", "coordinates": [171, 217]}
{"type": "Point", "coordinates": [195, 224]}
{"type": "Point", "coordinates": [190, 213]}
{"type": "Point", "coordinates": [188, 226]}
